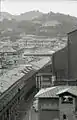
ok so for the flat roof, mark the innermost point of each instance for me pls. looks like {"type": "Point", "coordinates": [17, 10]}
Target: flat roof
{"type": "Point", "coordinates": [41, 62]}
{"type": "Point", "coordinates": [73, 30]}
{"type": "Point", "coordinates": [12, 76]}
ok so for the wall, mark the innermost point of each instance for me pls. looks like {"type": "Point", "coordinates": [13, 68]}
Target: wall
{"type": "Point", "coordinates": [64, 61]}
{"type": "Point", "coordinates": [60, 64]}
{"type": "Point", "coordinates": [72, 47]}
{"type": "Point", "coordinates": [46, 82]}
{"type": "Point", "coordinates": [48, 108]}
{"type": "Point", "coordinates": [46, 69]}
{"type": "Point", "coordinates": [49, 115]}
{"type": "Point", "coordinates": [43, 80]}
{"type": "Point", "coordinates": [67, 109]}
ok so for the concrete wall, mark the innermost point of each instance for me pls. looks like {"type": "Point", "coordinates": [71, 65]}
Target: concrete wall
{"type": "Point", "coordinates": [64, 61]}
{"type": "Point", "coordinates": [67, 109]}
{"type": "Point", "coordinates": [60, 64]}
{"type": "Point", "coordinates": [49, 115]}
{"type": "Point", "coordinates": [72, 47]}
{"type": "Point", "coordinates": [46, 82]}
{"type": "Point", "coordinates": [48, 109]}
{"type": "Point", "coordinates": [43, 80]}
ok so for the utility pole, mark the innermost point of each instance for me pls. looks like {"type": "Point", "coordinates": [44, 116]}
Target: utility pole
{"type": "Point", "coordinates": [68, 55]}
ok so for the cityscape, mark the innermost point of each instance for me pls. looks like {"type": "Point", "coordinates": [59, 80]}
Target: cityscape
{"type": "Point", "coordinates": [38, 72]}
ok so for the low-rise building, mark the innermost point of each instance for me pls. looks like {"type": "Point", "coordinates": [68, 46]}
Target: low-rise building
{"type": "Point", "coordinates": [57, 103]}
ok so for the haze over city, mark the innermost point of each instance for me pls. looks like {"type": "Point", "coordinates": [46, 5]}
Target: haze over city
{"type": "Point", "coordinates": [20, 6]}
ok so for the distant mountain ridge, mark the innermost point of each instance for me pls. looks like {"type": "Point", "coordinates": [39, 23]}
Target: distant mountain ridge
{"type": "Point", "coordinates": [38, 23]}
{"type": "Point", "coordinates": [58, 22]}
{"type": "Point", "coordinates": [24, 16]}
{"type": "Point", "coordinates": [57, 16]}
{"type": "Point", "coordinates": [37, 15]}
{"type": "Point", "coordinates": [5, 15]}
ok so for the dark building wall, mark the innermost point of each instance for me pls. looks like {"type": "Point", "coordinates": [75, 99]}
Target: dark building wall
{"type": "Point", "coordinates": [64, 61]}
{"type": "Point", "coordinates": [72, 54]}
{"type": "Point", "coordinates": [60, 64]}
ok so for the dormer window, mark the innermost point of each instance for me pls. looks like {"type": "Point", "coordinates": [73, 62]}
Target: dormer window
{"type": "Point", "coordinates": [67, 99]}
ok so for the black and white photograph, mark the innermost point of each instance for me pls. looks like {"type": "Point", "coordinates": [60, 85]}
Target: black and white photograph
{"type": "Point", "coordinates": [38, 60]}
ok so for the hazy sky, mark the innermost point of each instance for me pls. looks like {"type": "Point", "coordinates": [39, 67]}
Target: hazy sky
{"type": "Point", "coordinates": [21, 6]}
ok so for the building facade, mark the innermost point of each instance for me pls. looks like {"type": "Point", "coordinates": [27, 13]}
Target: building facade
{"type": "Point", "coordinates": [64, 61]}
{"type": "Point", "coordinates": [48, 108]}
{"type": "Point", "coordinates": [57, 103]}
{"type": "Point", "coordinates": [44, 76]}
{"type": "Point", "coordinates": [43, 80]}
{"type": "Point", "coordinates": [60, 64]}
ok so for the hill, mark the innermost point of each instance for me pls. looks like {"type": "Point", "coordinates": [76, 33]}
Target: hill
{"type": "Point", "coordinates": [24, 16]}
{"type": "Point", "coordinates": [57, 23]}
{"type": "Point", "coordinates": [37, 23]}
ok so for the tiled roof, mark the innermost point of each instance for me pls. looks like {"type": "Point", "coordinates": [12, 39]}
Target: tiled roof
{"type": "Point", "coordinates": [52, 91]}
{"type": "Point", "coordinates": [71, 90]}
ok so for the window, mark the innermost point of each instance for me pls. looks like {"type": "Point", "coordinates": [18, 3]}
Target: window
{"type": "Point", "coordinates": [64, 117]}
{"type": "Point", "coordinates": [67, 99]}
{"type": "Point", "coordinates": [19, 90]}
{"type": "Point", "coordinates": [19, 94]}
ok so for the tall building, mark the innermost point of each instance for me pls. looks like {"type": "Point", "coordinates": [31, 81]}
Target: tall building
{"type": "Point", "coordinates": [64, 61]}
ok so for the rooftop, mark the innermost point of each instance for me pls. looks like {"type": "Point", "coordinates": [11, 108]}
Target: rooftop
{"type": "Point", "coordinates": [12, 76]}
{"type": "Point", "coordinates": [53, 92]}
{"type": "Point", "coordinates": [41, 62]}
{"type": "Point", "coordinates": [69, 90]}
{"type": "Point", "coordinates": [7, 49]}
{"type": "Point", "coordinates": [73, 30]}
